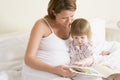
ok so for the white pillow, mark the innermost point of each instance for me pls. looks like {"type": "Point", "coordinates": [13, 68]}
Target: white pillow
{"type": "Point", "coordinates": [98, 30]}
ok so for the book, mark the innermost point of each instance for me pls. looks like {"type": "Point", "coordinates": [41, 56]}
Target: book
{"type": "Point", "coordinates": [98, 70]}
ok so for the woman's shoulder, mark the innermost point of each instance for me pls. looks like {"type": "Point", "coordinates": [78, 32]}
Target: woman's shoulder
{"type": "Point", "coordinates": [40, 24]}
{"type": "Point", "coordinates": [40, 21]}
{"type": "Point", "coordinates": [40, 27]}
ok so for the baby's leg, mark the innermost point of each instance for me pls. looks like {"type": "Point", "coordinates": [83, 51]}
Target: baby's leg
{"type": "Point", "coordinates": [117, 77]}
{"type": "Point", "coordinates": [114, 77]}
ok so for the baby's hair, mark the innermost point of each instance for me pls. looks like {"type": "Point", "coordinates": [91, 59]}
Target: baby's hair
{"type": "Point", "coordinates": [80, 27]}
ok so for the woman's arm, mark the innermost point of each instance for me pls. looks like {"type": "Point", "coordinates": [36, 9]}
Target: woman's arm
{"type": "Point", "coordinates": [39, 31]}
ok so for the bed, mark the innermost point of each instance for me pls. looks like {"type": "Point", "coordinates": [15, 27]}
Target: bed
{"type": "Point", "coordinates": [12, 49]}
{"type": "Point", "coordinates": [13, 46]}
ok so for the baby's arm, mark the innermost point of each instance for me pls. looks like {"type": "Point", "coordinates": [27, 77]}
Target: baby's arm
{"type": "Point", "coordinates": [104, 53]}
{"type": "Point", "coordinates": [89, 51]}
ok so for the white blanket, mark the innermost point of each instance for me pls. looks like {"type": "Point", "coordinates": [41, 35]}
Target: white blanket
{"type": "Point", "coordinates": [12, 49]}
{"type": "Point", "coordinates": [112, 59]}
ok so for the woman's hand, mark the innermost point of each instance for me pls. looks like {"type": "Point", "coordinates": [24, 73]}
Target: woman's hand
{"type": "Point", "coordinates": [63, 71]}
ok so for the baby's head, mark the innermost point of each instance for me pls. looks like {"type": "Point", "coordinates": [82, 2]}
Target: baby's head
{"type": "Point", "coordinates": [80, 31]}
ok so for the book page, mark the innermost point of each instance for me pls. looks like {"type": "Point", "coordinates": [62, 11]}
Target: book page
{"type": "Point", "coordinates": [99, 70]}
{"type": "Point", "coordinates": [106, 71]}
{"type": "Point", "coordinates": [86, 71]}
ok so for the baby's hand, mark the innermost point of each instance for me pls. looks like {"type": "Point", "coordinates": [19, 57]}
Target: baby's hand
{"type": "Point", "coordinates": [104, 53]}
{"type": "Point", "coordinates": [80, 63]}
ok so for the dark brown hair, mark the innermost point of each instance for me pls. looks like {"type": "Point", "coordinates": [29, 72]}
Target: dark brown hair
{"type": "Point", "coordinates": [58, 5]}
{"type": "Point", "coordinates": [81, 27]}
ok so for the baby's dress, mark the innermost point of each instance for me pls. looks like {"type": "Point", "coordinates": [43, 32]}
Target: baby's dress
{"type": "Point", "coordinates": [52, 50]}
{"type": "Point", "coordinates": [77, 54]}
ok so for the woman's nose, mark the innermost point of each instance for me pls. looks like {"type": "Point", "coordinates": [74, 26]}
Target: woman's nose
{"type": "Point", "coordinates": [70, 20]}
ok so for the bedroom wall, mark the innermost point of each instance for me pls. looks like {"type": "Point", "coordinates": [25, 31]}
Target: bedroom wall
{"type": "Point", "coordinates": [20, 15]}
{"type": "Point", "coordinates": [105, 9]}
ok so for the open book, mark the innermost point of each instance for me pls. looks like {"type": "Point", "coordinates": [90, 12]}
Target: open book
{"type": "Point", "coordinates": [99, 70]}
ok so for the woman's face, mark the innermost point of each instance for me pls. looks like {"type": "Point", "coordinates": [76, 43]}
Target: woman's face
{"type": "Point", "coordinates": [65, 17]}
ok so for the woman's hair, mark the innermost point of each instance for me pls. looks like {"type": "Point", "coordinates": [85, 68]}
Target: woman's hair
{"type": "Point", "coordinates": [81, 27]}
{"type": "Point", "coordinates": [58, 5]}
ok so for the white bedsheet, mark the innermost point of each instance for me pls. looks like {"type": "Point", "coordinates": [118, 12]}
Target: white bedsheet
{"type": "Point", "coordinates": [12, 49]}
{"type": "Point", "coordinates": [112, 59]}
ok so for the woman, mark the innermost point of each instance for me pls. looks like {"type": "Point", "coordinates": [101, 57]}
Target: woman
{"type": "Point", "coordinates": [47, 53]}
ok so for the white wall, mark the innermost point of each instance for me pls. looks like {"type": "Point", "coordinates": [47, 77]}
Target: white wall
{"type": "Point", "coordinates": [20, 15]}
{"type": "Point", "coordinates": [105, 9]}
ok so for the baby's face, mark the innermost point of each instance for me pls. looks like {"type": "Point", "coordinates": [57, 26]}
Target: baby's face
{"type": "Point", "coordinates": [80, 40]}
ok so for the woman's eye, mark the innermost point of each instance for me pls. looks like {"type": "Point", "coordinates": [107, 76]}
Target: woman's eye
{"type": "Point", "coordinates": [64, 18]}
{"type": "Point", "coordinates": [76, 38]}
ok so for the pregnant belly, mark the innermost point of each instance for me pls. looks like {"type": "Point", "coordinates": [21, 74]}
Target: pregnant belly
{"type": "Point", "coordinates": [54, 58]}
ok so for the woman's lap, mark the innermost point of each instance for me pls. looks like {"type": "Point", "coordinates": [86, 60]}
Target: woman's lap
{"type": "Point", "coordinates": [31, 74]}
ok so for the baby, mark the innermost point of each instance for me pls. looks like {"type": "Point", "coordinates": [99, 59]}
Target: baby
{"type": "Point", "coordinates": [81, 48]}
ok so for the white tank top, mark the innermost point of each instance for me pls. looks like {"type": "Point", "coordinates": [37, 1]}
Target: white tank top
{"type": "Point", "coordinates": [53, 50]}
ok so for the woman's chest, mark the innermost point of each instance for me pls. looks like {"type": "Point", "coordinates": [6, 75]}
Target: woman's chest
{"type": "Point", "coordinates": [53, 42]}
{"type": "Point", "coordinates": [62, 33]}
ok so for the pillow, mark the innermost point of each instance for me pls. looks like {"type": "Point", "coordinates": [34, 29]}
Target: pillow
{"type": "Point", "coordinates": [98, 30]}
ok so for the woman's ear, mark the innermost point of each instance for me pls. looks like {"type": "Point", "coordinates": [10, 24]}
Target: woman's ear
{"type": "Point", "coordinates": [53, 12]}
